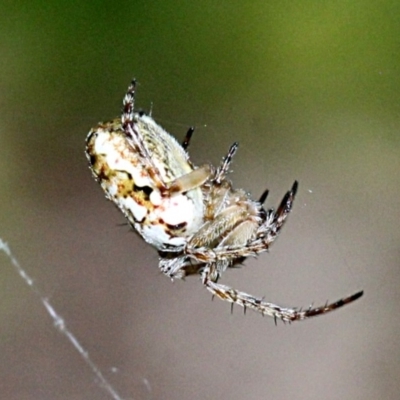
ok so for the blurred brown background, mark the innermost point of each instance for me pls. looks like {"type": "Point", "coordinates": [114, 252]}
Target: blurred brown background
{"type": "Point", "coordinates": [310, 90]}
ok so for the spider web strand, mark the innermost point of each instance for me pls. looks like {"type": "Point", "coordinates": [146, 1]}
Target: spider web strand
{"type": "Point", "coordinates": [59, 323]}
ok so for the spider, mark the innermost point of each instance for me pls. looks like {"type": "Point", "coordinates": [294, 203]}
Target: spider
{"type": "Point", "coordinates": [192, 215]}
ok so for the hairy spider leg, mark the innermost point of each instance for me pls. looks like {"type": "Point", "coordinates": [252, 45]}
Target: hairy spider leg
{"type": "Point", "coordinates": [246, 300]}
{"type": "Point", "coordinates": [268, 231]}
{"type": "Point", "coordinates": [223, 168]}
{"type": "Point", "coordinates": [187, 138]}
{"type": "Point", "coordinates": [128, 104]}
{"type": "Point", "coordinates": [263, 197]}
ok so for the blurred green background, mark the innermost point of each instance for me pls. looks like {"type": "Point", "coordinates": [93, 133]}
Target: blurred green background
{"type": "Point", "coordinates": [310, 89]}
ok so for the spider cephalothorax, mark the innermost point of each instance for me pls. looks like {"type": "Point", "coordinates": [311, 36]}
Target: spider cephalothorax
{"type": "Point", "coordinates": [192, 215]}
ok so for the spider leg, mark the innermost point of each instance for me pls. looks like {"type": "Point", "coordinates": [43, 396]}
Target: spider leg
{"type": "Point", "coordinates": [274, 220]}
{"type": "Point", "coordinates": [182, 184]}
{"type": "Point", "coordinates": [134, 138]}
{"type": "Point", "coordinates": [178, 267]}
{"type": "Point", "coordinates": [128, 104]}
{"type": "Point", "coordinates": [263, 197]}
{"type": "Point", "coordinates": [173, 267]}
{"type": "Point", "coordinates": [314, 311]}
{"type": "Point", "coordinates": [286, 205]}
{"type": "Point", "coordinates": [266, 234]}
{"type": "Point", "coordinates": [223, 168]}
{"type": "Point", "coordinates": [186, 140]}
{"type": "Point", "coordinates": [246, 300]}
